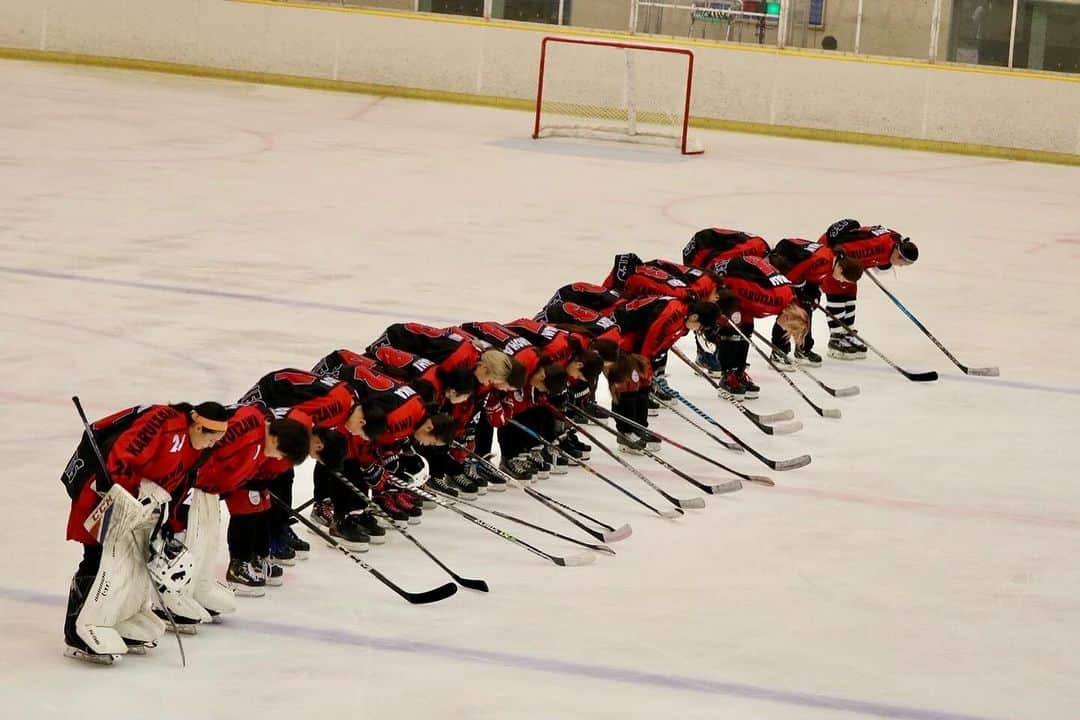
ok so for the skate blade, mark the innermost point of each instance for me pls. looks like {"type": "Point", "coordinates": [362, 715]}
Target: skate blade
{"type": "Point", "coordinates": [92, 658]}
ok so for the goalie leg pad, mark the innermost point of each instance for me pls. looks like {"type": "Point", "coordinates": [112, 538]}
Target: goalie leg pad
{"type": "Point", "coordinates": [203, 540]}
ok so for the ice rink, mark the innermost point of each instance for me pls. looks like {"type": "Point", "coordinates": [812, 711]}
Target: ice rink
{"type": "Point", "coordinates": [172, 239]}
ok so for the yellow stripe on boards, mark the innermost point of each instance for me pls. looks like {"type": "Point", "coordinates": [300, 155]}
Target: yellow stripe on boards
{"type": "Point", "coordinates": [841, 136]}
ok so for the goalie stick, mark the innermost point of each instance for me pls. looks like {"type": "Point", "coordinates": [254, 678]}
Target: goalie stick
{"type": "Point", "coordinates": [796, 462]}
{"type": "Point", "coordinates": [984, 371]}
{"type": "Point", "coordinates": [759, 421]}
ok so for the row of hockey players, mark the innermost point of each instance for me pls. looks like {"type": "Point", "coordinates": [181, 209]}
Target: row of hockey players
{"type": "Point", "coordinates": [419, 405]}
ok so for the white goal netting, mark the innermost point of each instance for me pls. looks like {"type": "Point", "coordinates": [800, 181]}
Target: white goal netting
{"type": "Point", "coordinates": [615, 91]}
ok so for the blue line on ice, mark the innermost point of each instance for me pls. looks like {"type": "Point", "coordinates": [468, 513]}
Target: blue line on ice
{"type": "Point", "coordinates": [400, 315]}
{"type": "Point", "coordinates": [557, 667]}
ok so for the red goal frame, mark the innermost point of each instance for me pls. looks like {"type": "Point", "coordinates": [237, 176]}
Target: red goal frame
{"type": "Point", "coordinates": [688, 54]}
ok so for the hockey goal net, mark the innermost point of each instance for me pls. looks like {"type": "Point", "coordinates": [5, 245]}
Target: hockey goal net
{"type": "Point", "coordinates": [615, 91]}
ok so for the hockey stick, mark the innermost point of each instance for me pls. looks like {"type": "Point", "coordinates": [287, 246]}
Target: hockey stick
{"type": "Point", "coordinates": [428, 596]}
{"type": "Point", "coordinates": [823, 412]}
{"type": "Point", "coordinates": [105, 475]}
{"type": "Point", "coordinates": [758, 420]}
{"type": "Point", "coordinates": [667, 514]}
{"type": "Point", "coordinates": [835, 392]}
{"type": "Point", "coordinates": [462, 581]}
{"type": "Point", "coordinates": [984, 371]}
{"type": "Point", "coordinates": [572, 561]}
{"type": "Point", "coordinates": [542, 499]}
{"type": "Point", "coordinates": [796, 462]}
{"type": "Point", "coordinates": [612, 535]}
{"type": "Point", "coordinates": [450, 500]}
{"type": "Point", "coordinates": [711, 489]}
{"type": "Point", "coordinates": [929, 376]}
{"type": "Point", "coordinates": [730, 486]}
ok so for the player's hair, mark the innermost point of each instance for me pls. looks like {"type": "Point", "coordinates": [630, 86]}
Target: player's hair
{"type": "Point", "coordinates": [707, 312]}
{"type": "Point", "coordinates": [293, 440]}
{"type": "Point", "coordinates": [498, 364]}
{"type": "Point", "coordinates": [459, 378]}
{"type": "Point", "coordinates": [554, 378]}
{"type": "Point", "coordinates": [726, 301]}
{"type": "Point", "coordinates": [592, 364]}
{"type": "Point", "coordinates": [443, 427]}
{"type": "Point", "coordinates": [425, 389]}
{"type": "Point", "coordinates": [850, 268]}
{"type": "Point", "coordinates": [908, 250]}
{"type": "Point", "coordinates": [781, 262]}
{"type": "Point", "coordinates": [518, 375]}
{"type": "Point", "coordinates": [608, 350]}
{"type": "Point", "coordinates": [374, 418]}
{"type": "Point", "coordinates": [209, 410]}
{"type": "Point", "coordinates": [624, 368]}
{"type": "Point", "coordinates": [334, 449]}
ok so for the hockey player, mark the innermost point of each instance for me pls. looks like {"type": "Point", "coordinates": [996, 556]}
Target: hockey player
{"type": "Point", "coordinates": [762, 290]}
{"type": "Point", "coordinates": [118, 515]}
{"type": "Point", "coordinates": [632, 277]}
{"type": "Point", "coordinates": [872, 247]}
{"type": "Point", "coordinates": [581, 294]}
{"type": "Point", "coordinates": [807, 264]}
{"type": "Point", "coordinates": [235, 471]}
{"type": "Point", "coordinates": [713, 245]}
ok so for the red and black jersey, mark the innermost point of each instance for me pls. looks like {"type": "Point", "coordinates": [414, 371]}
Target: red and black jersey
{"type": "Point", "coordinates": [502, 338]}
{"type": "Point", "coordinates": [399, 363]}
{"type": "Point", "coordinates": [761, 289]}
{"type": "Point", "coordinates": [596, 325]}
{"type": "Point", "coordinates": [149, 442]}
{"type": "Point", "coordinates": [325, 400]}
{"type": "Point", "coordinates": [633, 278]}
{"type": "Point", "coordinates": [810, 262]}
{"type": "Point", "coordinates": [583, 294]}
{"type": "Point", "coordinates": [404, 407]}
{"type": "Point", "coordinates": [699, 284]}
{"type": "Point", "coordinates": [871, 246]}
{"type": "Point", "coordinates": [556, 345]}
{"type": "Point", "coordinates": [713, 245]}
{"type": "Point", "coordinates": [439, 345]}
{"type": "Point", "coordinates": [651, 325]}
{"type": "Point", "coordinates": [240, 453]}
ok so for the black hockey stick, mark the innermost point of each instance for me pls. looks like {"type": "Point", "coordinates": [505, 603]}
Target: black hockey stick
{"type": "Point", "coordinates": [984, 371]}
{"type": "Point", "coordinates": [428, 596]}
{"type": "Point", "coordinates": [760, 479]}
{"type": "Point", "coordinates": [108, 481]}
{"type": "Point", "coordinates": [796, 462]}
{"type": "Point", "coordinates": [612, 535]}
{"type": "Point", "coordinates": [759, 421]}
{"type": "Point", "coordinates": [928, 376]}
{"type": "Point", "coordinates": [823, 412]}
{"type": "Point", "coordinates": [572, 561]}
{"type": "Point", "coordinates": [462, 581]}
{"type": "Point", "coordinates": [540, 498]}
{"type": "Point", "coordinates": [449, 500]}
{"type": "Point", "coordinates": [835, 392]}
{"type": "Point", "coordinates": [667, 514]}
{"type": "Point", "coordinates": [595, 412]}
{"type": "Point", "coordinates": [711, 489]}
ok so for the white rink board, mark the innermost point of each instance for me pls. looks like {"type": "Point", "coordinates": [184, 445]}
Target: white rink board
{"type": "Point", "coordinates": [166, 239]}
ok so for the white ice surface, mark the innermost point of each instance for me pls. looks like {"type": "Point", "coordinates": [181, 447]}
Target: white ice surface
{"type": "Point", "coordinates": [167, 239]}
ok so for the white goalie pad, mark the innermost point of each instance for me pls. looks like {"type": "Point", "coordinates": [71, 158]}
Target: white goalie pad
{"type": "Point", "coordinates": [203, 540]}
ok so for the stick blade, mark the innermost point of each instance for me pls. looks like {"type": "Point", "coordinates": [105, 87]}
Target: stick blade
{"type": "Point", "coordinates": [930, 376]}
{"type": "Point", "coordinates": [984, 372]}
{"type": "Point", "coordinates": [776, 416]}
{"type": "Point", "coordinates": [845, 391]}
{"type": "Point", "coordinates": [690, 503]}
{"type": "Point", "coordinates": [621, 534]}
{"type": "Point", "coordinates": [478, 585]}
{"type": "Point", "coordinates": [761, 480]}
{"type": "Point", "coordinates": [725, 487]}
{"type": "Point", "coordinates": [435, 595]}
{"type": "Point", "coordinates": [830, 413]}
{"type": "Point", "coordinates": [786, 428]}
{"type": "Point", "coordinates": [575, 560]}
{"type": "Point", "coordinates": [670, 514]}
{"type": "Point", "coordinates": [792, 464]}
